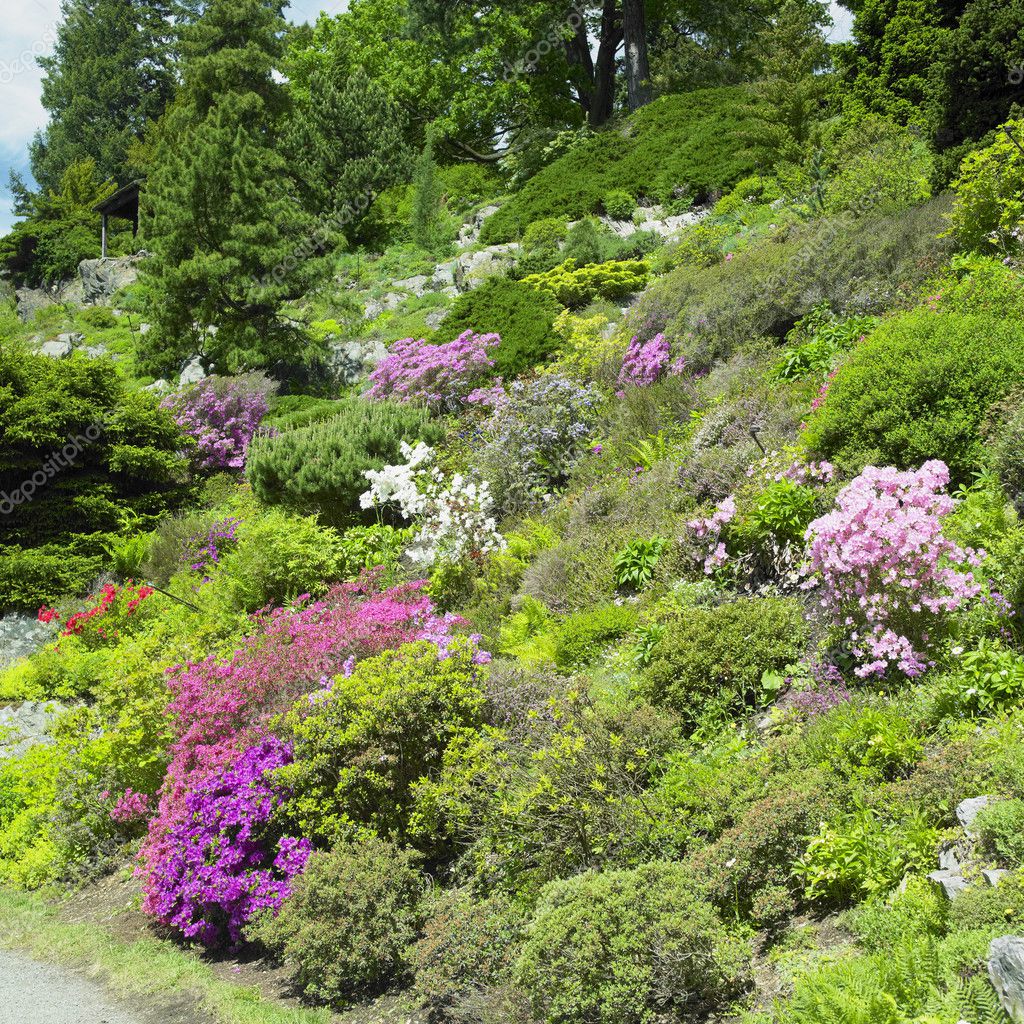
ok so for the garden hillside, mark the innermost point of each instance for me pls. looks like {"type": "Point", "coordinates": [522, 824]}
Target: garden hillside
{"type": "Point", "coordinates": [530, 529]}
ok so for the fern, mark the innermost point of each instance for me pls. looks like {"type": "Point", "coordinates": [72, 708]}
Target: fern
{"type": "Point", "coordinates": [653, 448]}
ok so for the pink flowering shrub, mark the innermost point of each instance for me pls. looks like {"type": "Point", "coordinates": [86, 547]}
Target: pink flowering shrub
{"type": "Point", "coordinates": [221, 706]}
{"type": "Point", "coordinates": [883, 569]}
{"type": "Point", "coordinates": [644, 362]}
{"type": "Point", "coordinates": [222, 414]}
{"type": "Point", "coordinates": [130, 807]}
{"type": "Point", "coordinates": [439, 375]}
{"type": "Point", "coordinates": [222, 863]}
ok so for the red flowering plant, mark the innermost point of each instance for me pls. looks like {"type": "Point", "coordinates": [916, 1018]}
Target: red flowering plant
{"type": "Point", "coordinates": [105, 616]}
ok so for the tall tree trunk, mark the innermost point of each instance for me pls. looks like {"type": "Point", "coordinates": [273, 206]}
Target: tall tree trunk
{"type": "Point", "coordinates": [577, 52]}
{"type": "Point", "coordinates": [638, 68]}
{"type": "Point", "coordinates": [603, 102]}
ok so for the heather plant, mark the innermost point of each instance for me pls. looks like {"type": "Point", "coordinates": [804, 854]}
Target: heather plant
{"type": "Point", "coordinates": [222, 414]}
{"type": "Point", "coordinates": [440, 376]}
{"type": "Point", "coordinates": [221, 863]}
{"type": "Point", "coordinates": [883, 570]}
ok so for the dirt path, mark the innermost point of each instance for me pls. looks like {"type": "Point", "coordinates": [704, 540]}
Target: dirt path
{"type": "Point", "coordinates": [36, 993]}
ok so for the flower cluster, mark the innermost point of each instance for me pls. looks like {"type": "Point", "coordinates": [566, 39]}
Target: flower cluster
{"type": "Point", "coordinates": [819, 700]}
{"type": "Point", "coordinates": [203, 550]}
{"type": "Point", "coordinates": [644, 362]}
{"type": "Point", "coordinates": [778, 466]}
{"type": "Point", "coordinates": [98, 622]}
{"type": "Point", "coordinates": [710, 530]}
{"type": "Point", "coordinates": [222, 863]}
{"type": "Point", "coordinates": [883, 568]}
{"type": "Point", "coordinates": [453, 515]}
{"type": "Point", "coordinates": [222, 414]}
{"type": "Point", "coordinates": [130, 807]}
{"type": "Point", "coordinates": [439, 375]}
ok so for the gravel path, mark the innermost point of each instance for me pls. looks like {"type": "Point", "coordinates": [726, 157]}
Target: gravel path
{"type": "Point", "coordinates": [35, 993]}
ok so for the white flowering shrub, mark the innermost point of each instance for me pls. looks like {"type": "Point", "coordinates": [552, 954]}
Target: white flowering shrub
{"type": "Point", "coordinates": [454, 516]}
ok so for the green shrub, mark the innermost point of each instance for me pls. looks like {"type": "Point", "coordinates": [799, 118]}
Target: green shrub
{"type": "Point", "coordinates": [581, 637]}
{"type": "Point", "coordinates": [675, 141]}
{"type": "Point", "coordinates": [522, 315]}
{"type": "Point", "coordinates": [465, 955]}
{"type": "Point", "coordinates": [45, 575]}
{"type": "Point", "coordinates": [321, 467]}
{"type": "Point", "coordinates": [917, 910]}
{"type": "Point", "coordinates": [712, 659]}
{"type": "Point", "coordinates": [624, 947]}
{"type": "Point", "coordinates": [576, 286]}
{"type": "Point", "coordinates": [361, 748]}
{"type": "Point", "coordinates": [919, 388]}
{"type": "Point", "coordinates": [290, 411]}
{"type": "Point", "coordinates": [983, 906]}
{"type": "Point", "coordinates": [985, 681]}
{"type": "Point", "coordinates": [345, 927]}
{"type": "Point", "coordinates": [636, 562]}
{"type": "Point", "coordinates": [1000, 826]}
{"type": "Point", "coordinates": [988, 208]}
{"type": "Point", "coordinates": [619, 204]}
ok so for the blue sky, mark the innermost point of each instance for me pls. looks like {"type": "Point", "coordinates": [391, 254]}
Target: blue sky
{"type": "Point", "coordinates": [30, 33]}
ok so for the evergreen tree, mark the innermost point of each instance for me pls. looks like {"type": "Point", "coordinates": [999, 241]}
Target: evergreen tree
{"type": "Point", "coordinates": [230, 240]}
{"type": "Point", "coordinates": [346, 143]}
{"type": "Point", "coordinates": [111, 74]}
{"type": "Point", "coordinates": [427, 220]}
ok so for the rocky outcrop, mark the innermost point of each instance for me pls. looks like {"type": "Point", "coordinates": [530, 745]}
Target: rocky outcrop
{"type": "Point", "coordinates": [470, 232]}
{"type": "Point", "coordinates": [1006, 972]}
{"type": "Point", "coordinates": [26, 725]}
{"type": "Point", "coordinates": [959, 866]}
{"type": "Point", "coordinates": [31, 300]}
{"type": "Point", "coordinates": [103, 277]}
{"type": "Point", "coordinates": [20, 636]}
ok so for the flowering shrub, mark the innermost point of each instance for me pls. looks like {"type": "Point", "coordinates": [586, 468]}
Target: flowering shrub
{"type": "Point", "coordinates": [439, 375]}
{"type": "Point", "coordinates": [99, 623]}
{"type": "Point", "coordinates": [203, 551]}
{"type": "Point", "coordinates": [883, 568]}
{"type": "Point", "coordinates": [454, 515]}
{"type": "Point", "coordinates": [645, 362]}
{"type": "Point", "coordinates": [220, 706]}
{"type": "Point", "coordinates": [530, 442]}
{"type": "Point", "coordinates": [130, 807]}
{"type": "Point", "coordinates": [222, 414]}
{"type": "Point", "coordinates": [221, 864]}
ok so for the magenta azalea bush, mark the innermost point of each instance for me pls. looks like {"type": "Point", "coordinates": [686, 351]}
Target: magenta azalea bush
{"type": "Point", "coordinates": [439, 375]}
{"type": "Point", "coordinates": [222, 414]}
{"type": "Point", "coordinates": [644, 362]}
{"type": "Point", "coordinates": [221, 864]}
{"type": "Point", "coordinates": [883, 569]}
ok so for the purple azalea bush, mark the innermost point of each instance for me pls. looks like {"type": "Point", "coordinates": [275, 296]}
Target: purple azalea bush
{"type": "Point", "coordinates": [439, 375]}
{"type": "Point", "coordinates": [222, 414]}
{"type": "Point", "coordinates": [203, 550]}
{"type": "Point", "coordinates": [220, 864]}
{"type": "Point", "coordinates": [644, 362]}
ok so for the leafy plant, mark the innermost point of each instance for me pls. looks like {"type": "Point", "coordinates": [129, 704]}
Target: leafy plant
{"type": "Point", "coordinates": [636, 562]}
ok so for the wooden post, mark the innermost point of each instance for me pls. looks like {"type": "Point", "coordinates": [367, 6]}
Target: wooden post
{"type": "Point", "coordinates": [103, 234]}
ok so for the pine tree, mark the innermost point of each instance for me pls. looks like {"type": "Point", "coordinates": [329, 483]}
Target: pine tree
{"type": "Point", "coordinates": [110, 75]}
{"type": "Point", "coordinates": [426, 199]}
{"type": "Point", "coordinates": [230, 240]}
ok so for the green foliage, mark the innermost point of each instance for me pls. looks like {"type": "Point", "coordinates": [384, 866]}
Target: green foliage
{"type": "Point", "coordinates": [860, 855]}
{"type": "Point", "coordinates": [348, 921]}
{"type": "Point", "coordinates": [367, 547]}
{"type": "Point", "coordinates": [985, 680]}
{"type": "Point", "coordinates": [321, 467]}
{"type": "Point", "coordinates": [619, 204]}
{"type": "Point", "coordinates": [361, 748]}
{"type": "Point", "coordinates": [636, 562]}
{"type": "Point", "coordinates": [712, 660]}
{"type": "Point", "coordinates": [677, 140]}
{"type": "Point", "coordinates": [576, 286]}
{"type": "Point", "coordinates": [581, 637]}
{"type": "Point", "coordinates": [919, 388]}
{"type": "Point", "coordinates": [622, 946]}
{"type": "Point", "coordinates": [782, 511]}
{"type": "Point", "coordinates": [427, 227]}
{"type": "Point", "coordinates": [916, 910]}
{"type": "Point", "coordinates": [44, 575]}
{"type": "Point", "coordinates": [522, 315]}
{"type": "Point", "coordinates": [818, 341]}
{"type": "Point", "coordinates": [988, 208]}
{"type": "Point", "coordinates": [1000, 827]}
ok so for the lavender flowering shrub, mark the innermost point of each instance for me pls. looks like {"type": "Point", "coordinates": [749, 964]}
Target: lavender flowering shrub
{"type": "Point", "coordinates": [222, 414]}
{"type": "Point", "coordinates": [221, 863]}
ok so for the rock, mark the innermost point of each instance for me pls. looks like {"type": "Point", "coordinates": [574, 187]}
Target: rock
{"type": "Point", "coordinates": [103, 277]}
{"type": "Point", "coordinates": [475, 267]}
{"type": "Point", "coordinates": [951, 882]}
{"type": "Point", "coordinates": [74, 338]}
{"type": "Point", "coordinates": [1006, 972]}
{"type": "Point", "coordinates": [948, 860]}
{"type": "Point", "coordinates": [352, 360]}
{"type": "Point", "coordinates": [145, 328]}
{"type": "Point", "coordinates": [95, 351]}
{"type": "Point", "coordinates": [158, 387]}
{"type": "Point", "coordinates": [375, 307]}
{"type": "Point", "coordinates": [192, 373]}
{"type": "Point", "coordinates": [446, 274]}
{"type": "Point", "coordinates": [435, 318]}
{"type": "Point", "coordinates": [470, 232]}
{"type": "Point", "coordinates": [57, 349]}
{"type": "Point", "coordinates": [967, 811]}
{"type": "Point", "coordinates": [20, 636]}
{"type": "Point", "coordinates": [417, 285]}
{"type": "Point", "coordinates": [26, 725]}
{"type": "Point", "coordinates": [994, 875]}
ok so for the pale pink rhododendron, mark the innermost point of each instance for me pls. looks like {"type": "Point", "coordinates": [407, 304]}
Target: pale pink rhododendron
{"type": "Point", "coordinates": [883, 569]}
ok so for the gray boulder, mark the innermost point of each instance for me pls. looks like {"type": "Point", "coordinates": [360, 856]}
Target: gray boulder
{"type": "Point", "coordinates": [192, 373]}
{"type": "Point", "coordinates": [475, 267]}
{"type": "Point", "coordinates": [1006, 972]}
{"type": "Point", "coordinates": [952, 883]}
{"type": "Point", "coordinates": [417, 285]}
{"type": "Point", "coordinates": [103, 277]}
{"type": "Point", "coordinates": [968, 810]}
{"type": "Point", "coordinates": [350, 361]}
{"type": "Point", "coordinates": [57, 349]}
